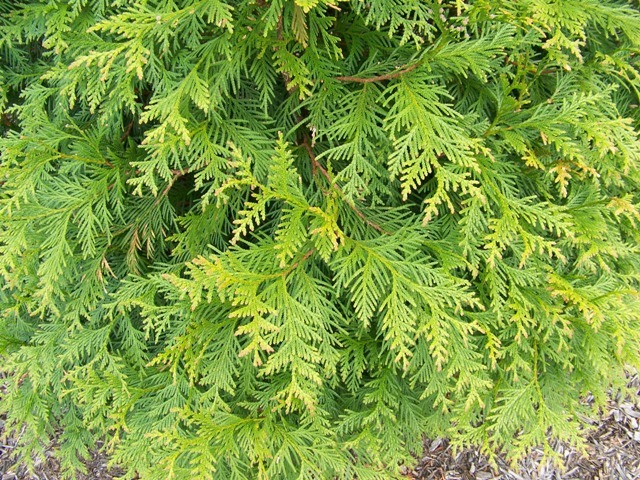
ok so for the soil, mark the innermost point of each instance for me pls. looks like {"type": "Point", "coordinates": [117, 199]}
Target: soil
{"type": "Point", "coordinates": [613, 454]}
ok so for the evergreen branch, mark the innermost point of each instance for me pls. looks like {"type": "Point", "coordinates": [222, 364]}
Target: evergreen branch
{"type": "Point", "coordinates": [316, 165]}
{"type": "Point", "coordinates": [362, 340]}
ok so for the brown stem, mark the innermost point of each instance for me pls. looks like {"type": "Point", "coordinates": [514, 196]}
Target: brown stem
{"type": "Point", "coordinates": [296, 264]}
{"type": "Point", "coordinates": [127, 132]}
{"type": "Point", "coordinates": [316, 165]}
{"type": "Point", "coordinates": [7, 120]}
{"type": "Point", "coordinates": [532, 69]}
{"type": "Point", "coordinates": [280, 28]}
{"type": "Point", "coordinates": [176, 175]}
{"type": "Point", "coordinates": [380, 78]}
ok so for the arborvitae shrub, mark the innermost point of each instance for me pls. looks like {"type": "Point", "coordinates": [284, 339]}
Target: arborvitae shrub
{"type": "Point", "coordinates": [278, 239]}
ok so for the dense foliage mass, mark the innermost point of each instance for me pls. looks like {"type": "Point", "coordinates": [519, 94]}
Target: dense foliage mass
{"type": "Point", "coordinates": [278, 239]}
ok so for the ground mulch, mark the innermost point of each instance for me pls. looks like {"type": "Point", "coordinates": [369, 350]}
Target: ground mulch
{"type": "Point", "coordinates": [46, 468]}
{"type": "Point", "coordinates": [613, 450]}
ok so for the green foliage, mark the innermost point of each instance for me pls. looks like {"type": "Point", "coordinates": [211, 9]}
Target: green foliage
{"type": "Point", "coordinates": [276, 239]}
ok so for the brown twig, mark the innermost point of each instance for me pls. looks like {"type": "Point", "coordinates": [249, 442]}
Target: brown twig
{"type": "Point", "coordinates": [317, 166]}
{"type": "Point", "coordinates": [7, 120]}
{"type": "Point", "coordinates": [380, 78]}
{"type": "Point", "coordinates": [532, 69]}
{"type": "Point", "coordinates": [280, 28]}
{"type": "Point", "coordinates": [296, 264]}
{"type": "Point", "coordinates": [127, 132]}
{"type": "Point", "coordinates": [176, 175]}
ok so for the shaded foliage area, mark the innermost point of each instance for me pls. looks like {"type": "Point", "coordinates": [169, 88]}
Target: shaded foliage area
{"type": "Point", "coordinates": [283, 239]}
